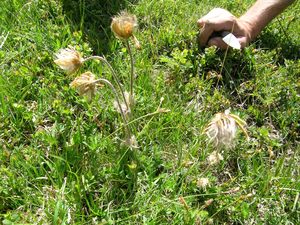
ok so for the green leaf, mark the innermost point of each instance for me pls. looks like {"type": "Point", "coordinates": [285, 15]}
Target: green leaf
{"type": "Point", "coordinates": [264, 132]}
{"type": "Point", "coordinates": [16, 216]}
{"type": "Point", "coordinates": [7, 222]}
{"type": "Point", "coordinates": [23, 69]}
{"type": "Point", "coordinates": [245, 210]}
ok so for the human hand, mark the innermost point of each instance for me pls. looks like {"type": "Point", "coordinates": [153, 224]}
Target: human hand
{"type": "Point", "coordinates": [220, 19]}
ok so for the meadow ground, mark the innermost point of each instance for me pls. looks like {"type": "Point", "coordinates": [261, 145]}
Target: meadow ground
{"type": "Point", "coordinates": [64, 161]}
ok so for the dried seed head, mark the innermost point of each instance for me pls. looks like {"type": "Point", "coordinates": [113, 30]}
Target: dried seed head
{"type": "Point", "coordinates": [124, 25]}
{"type": "Point", "coordinates": [69, 59]}
{"type": "Point", "coordinates": [203, 183]}
{"type": "Point", "coordinates": [214, 158]}
{"type": "Point", "coordinates": [85, 85]}
{"type": "Point", "coordinates": [186, 206]}
{"type": "Point", "coordinates": [208, 202]}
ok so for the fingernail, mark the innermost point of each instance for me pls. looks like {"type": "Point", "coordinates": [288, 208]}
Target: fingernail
{"type": "Point", "coordinates": [200, 23]}
{"type": "Point", "coordinates": [213, 42]}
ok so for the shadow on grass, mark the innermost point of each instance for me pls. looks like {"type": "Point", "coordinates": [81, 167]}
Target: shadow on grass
{"type": "Point", "coordinates": [290, 47]}
{"type": "Point", "coordinates": [93, 18]}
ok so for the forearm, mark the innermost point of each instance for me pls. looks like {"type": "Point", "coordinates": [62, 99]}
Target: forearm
{"type": "Point", "coordinates": [261, 13]}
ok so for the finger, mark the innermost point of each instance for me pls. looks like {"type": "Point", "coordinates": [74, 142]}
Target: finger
{"type": "Point", "coordinates": [243, 41]}
{"type": "Point", "coordinates": [218, 42]}
{"type": "Point", "coordinates": [205, 32]}
{"type": "Point", "coordinates": [200, 22]}
{"type": "Point", "coordinates": [215, 24]}
{"type": "Point", "coordinates": [216, 12]}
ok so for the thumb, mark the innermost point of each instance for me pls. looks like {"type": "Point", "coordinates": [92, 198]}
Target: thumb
{"type": "Point", "coordinates": [200, 23]}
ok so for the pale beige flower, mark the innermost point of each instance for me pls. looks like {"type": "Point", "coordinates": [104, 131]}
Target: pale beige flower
{"type": "Point", "coordinates": [85, 85]}
{"type": "Point", "coordinates": [271, 153]}
{"type": "Point", "coordinates": [125, 110]}
{"type": "Point", "coordinates": [130, 99]}
{"type": "Point", "coordinates": [203, 183]}
{"type": "Point", "coordinates": [210, 221]}
{"type": "Point", "coordinates": [124, 25]}
{"type": "Point", "coordinates": [130, 142]}
{"type": "Point", "coordinates": [136, 43]}
{"type": "Point", "coordinates": [214, 158]}
{"type": "Point", "coordinates": [222, 129]}
{"type": "Point", "coordinates": [131, 102]}
{"type": "Point", "coordinates": [70, 60]}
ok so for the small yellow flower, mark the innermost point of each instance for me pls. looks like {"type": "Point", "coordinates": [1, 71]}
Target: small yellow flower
{"type": "Point", "coordinates": [70, 60]}
{"type": "Point", "coordinates": [222, 129]}
{"type": "Point", "coordinates": [124, 25]}
{"type": "Point", "coordinates": [85, 84]}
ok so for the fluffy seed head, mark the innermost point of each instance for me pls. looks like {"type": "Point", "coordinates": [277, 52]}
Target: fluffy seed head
{"type": "Point", "coordinates": [69, 59]}
{"type": "Point", "coordinates": [222, 129]}
{"type": "Point", "coordinates": [203, 183]}
{"type": "Point", "coordinates": [214, 158]}
{"type": "Point", "coordinates": [124, 25]}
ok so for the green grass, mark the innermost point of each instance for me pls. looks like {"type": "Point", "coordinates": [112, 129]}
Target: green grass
{"type": "Point", "coordinates": [61, 159]}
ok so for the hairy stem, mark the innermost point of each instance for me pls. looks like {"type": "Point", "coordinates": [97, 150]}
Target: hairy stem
{"type": "Point", "coordinates": [114, 74]}
{"type": "Point", "coordinates": [118, 101]}
{"type": "Point", "coordinates": [205, 171]}
{"type": "Point", "coordinates": [131, 74]}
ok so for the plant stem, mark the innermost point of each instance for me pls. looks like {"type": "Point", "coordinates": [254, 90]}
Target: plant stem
{"type": "Point", "coordinates": [114, 74]}
{"type": "Point", "coordinates": [118, 100]}
{"type": "Point", "coordinates": [131, 74]}
{"type": "Point", "coordinates": [225, 55]}
{"type": "Point", "coordinates": [205, 171]}
{"type": "Point", "coordinates": [133, 121]}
